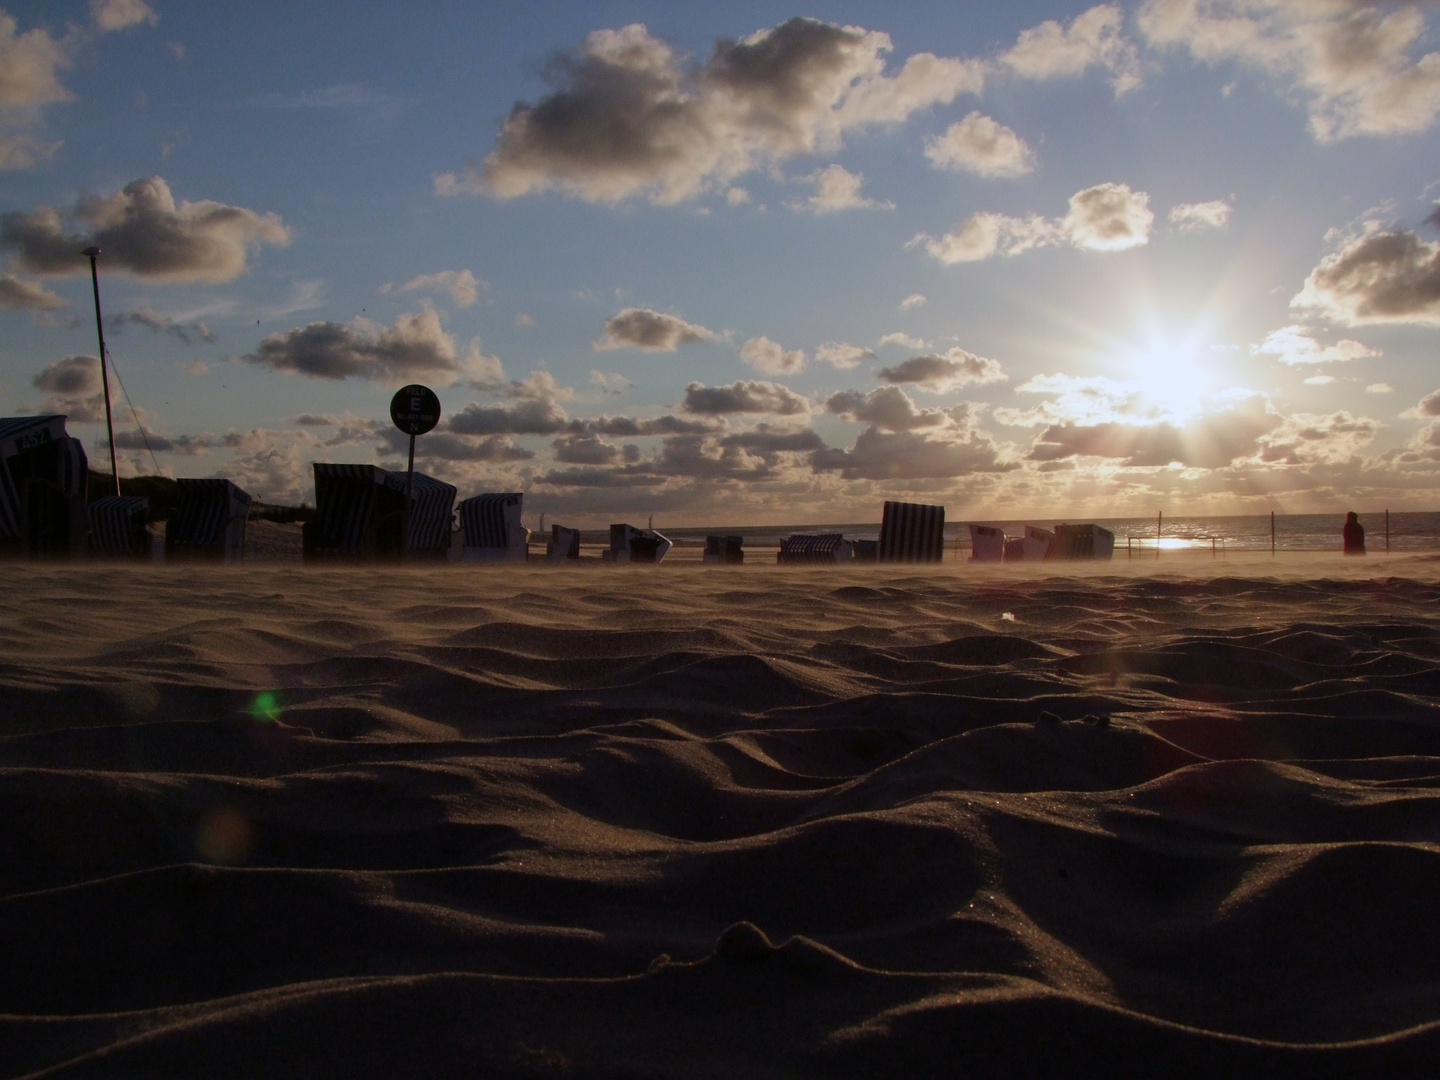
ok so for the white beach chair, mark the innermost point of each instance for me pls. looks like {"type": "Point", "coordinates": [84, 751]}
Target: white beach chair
{"type": "Point", "coordinates": [43, 477]}
{"type": "Point", "coordinates": [1082, 542]}
{"type": "Point", "coordinates": [631, 545]}
{"type": "Point", "coordinates": [493, 531]}
{"type": "Point", "coordinates": [815, 548]}
{"type": "Point", "coordinates": [987, 543]}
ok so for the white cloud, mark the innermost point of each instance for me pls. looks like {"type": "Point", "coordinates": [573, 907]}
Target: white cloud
{"type": "Point", "coordinates": [463, 286]}
{"type": "Point", "coordinates": [523, 320]}
{"type": "Point", "coordinates": [112, 15]}
{"type": "Point", "coordinates": [1094, 38]}
{"type": "Point", "coordinates": [771, 358]}
{"type": "Point", "coordinates": [24, 152]}
{"type": "Point", "coordinates": [1187, 217]}
{"type": "Point", "coordinates": [630, 118]}
{"type": "Point", "coordinates": [914, 300]}
{"type": "Point", "coordinates": [841, 355]}
{"type": "Point", "coordinates": [745, 396]}
{"type": "Point", "coordinates": [904, 340]}
{"type": "Point", "coordinates": [1379, 388]}
{"type": "Point", "coordinates": [736, 196]}
{"type": "Point", "coordinates": [836, 188]}
{"type": "Point", "coordinates": [1379, 277]}
{"type": "Point", "coordinates": [30, 65]}
{"type": "Point", "coordinates": [649, 331]}
{"type": "Point", "coordinates": [1351, 63]}
{"type": "Point", "coordinates": [1319, 380]}
{"type": "Point", "coordinates": [1106, 217]}
{"type": "Point", "coordinates": [1291, 345]}
{"type": "Point", "coordinates": [980, 145]}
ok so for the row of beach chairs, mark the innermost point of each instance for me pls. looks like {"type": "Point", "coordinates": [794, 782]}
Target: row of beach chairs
{"type": "Point", "coordinates": [989, 544]}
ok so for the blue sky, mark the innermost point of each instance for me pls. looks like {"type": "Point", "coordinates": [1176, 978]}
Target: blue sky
{"type": "Point", "coordinates": [741, 262]}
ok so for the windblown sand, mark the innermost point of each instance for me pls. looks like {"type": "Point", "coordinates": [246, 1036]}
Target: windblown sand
{"type": "Point", "coordinates": [685, 821]}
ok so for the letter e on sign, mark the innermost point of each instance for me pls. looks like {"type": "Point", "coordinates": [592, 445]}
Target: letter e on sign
{"type": "Point", "coordinates": [415, 409]}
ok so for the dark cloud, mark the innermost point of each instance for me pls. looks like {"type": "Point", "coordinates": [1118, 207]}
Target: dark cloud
{"type": "Point", "coordinates": [447, 446]}
{"type": "Point", "coordinates": [161, 324]}
{"type": "Point", "coordinates": [529, 416]}
{"type": "Point", "coordinates": [415, 347]}
{"type": "Point", "coordinates": [909, 455]}
{"type": "Point", "coordinates": [745, 396]}
{"type": "Point", "coordinates": [630, 118]}
{"type": "Point", "coordinates": [649, 331]}
{"type": "Point", "coordinates": [766, 441]}
{"type": "Point", "coordinates": [1211, 442]}
{"type": "Point", "coordinates": [586, 450]}
{"type": "Point", "coordinates": [16, 294]}
{"type": "Point", "coordinates": [1385, 277]}
{"type": "Point", "coordinates": [888, 408]}
{"type": "Point", "coordinates": [626, 427]}
{"type": "Point", "coordinates": [141, 229]}
{"type": "Point", "coordinates": [72, 377]}
{"type": "Point", "coordinates": [941, 374]}
{"type": "Point", "coordinates": [1429, 405]}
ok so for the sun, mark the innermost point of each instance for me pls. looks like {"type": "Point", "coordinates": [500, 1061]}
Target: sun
{"type": "Point", "coordinates": [1170, 376]}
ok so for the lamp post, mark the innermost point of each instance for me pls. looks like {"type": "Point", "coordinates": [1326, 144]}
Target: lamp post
{"type": "Point", "coordinates": [104, 375]}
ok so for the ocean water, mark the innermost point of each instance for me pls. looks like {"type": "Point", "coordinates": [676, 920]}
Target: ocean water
{"type": "Point", "coordinates": [1409, 531]}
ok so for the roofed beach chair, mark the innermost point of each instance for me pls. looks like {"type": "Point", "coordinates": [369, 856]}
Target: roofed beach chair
{"type": "Point", "coordinates": [564, 544]}
{"type": "Point", "coordinates": [117, 527]}
{"type": "Point", "coordinates": [987, 544]}
{"type": "Point", "coordinates": [724, 549]}
{"type": "Point", "coordinates": [631, 545]}
{"type": "Point", "coordinates": [208, 522]}
{"type": "Point", "coordinates": [493, 532]}
{"type": "Point", "coordinates": [1082, 542]}
{"type": "Point", "coordinates": [815, 548]}
{"type": "Point", "coordinates": [912, 532]}
{"type": "Point", "coordinates": [43, 475]}
{"type": "Point", "coordinates": [1036, 544]}
{"type": "Point", "coordinates": [359, 514]}
{"type": "Point", "coordinates": [432, 512]}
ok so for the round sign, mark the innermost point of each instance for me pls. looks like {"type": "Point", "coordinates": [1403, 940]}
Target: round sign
{"type": "Point", "coordinates": [415, 409]}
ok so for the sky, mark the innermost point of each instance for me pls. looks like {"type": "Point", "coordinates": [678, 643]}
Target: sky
{"type": "Point", "coordinates": [740, 262]}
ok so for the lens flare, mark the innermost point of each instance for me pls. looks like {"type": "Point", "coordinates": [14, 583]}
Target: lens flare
{"type": "Point", "coordinates": [266, 707]}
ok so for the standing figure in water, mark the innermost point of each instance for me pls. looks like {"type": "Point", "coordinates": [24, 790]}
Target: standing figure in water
{"type": "Point", "coordinates": [1353, 534]}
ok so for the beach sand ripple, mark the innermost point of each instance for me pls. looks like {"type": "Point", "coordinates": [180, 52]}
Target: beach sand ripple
{"type": "Point", "coordinates": [611, 822]}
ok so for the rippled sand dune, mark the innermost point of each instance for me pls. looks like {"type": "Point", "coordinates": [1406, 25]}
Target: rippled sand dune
{"type": "Point", "coordinates": [736, 822]}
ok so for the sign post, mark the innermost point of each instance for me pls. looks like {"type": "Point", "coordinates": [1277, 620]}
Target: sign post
{"type": "Point", "coordinates": [415, 410]}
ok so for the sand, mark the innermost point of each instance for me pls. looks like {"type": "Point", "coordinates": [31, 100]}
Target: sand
{"type": "Point", "coordinates": [688, 821]}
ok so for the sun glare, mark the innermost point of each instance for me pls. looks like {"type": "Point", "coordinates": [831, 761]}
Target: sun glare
{"type": "Point", "coordinates": [1171, 376]}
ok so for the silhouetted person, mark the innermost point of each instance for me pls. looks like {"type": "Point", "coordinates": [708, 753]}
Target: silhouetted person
{"type": "Point", "coordinates": [1353, 534]}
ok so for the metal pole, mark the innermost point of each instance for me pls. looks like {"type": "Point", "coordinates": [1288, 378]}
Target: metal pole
{"type": "Point", "coordinates": [1159, 521]}
{"type": "Point", "coordinates": [405, 515]}
{"type": "Point", "coordinates": [1272, 533]}
{"type": "Point", "coordinates": [1387, 532]}
{"type": "Point", "coordinates": [104, 374]}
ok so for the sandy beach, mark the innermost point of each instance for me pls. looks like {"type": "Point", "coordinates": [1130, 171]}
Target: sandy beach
{"type": "Point", "coordinates": [687, 821]}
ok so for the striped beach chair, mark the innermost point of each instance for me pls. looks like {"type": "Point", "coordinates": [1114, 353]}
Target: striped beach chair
{"type": "Point", "coordinates": [1082, 542]}
{"type": "Point", "coordinates": [43, 475]}
{"type": "Point", "coordinates": [912, 532]}
{"type": "Point", "coordinates": [631, 545]}
{"type": "Point", "coordinates": [564, 544]}
{"type": "Point", "coordinates": [208, 522]}
{"type": "Point", "coordinates": [724, 549]}
{"type": "Point", "coordinates": [117, 527]}
{"type": "Point", "coordinates": [359, 511]}
{"type": "Point", "coordinates": [493, 529]}
{"type": "Point", "coordinates": [987, 544]}
{"type": "Point", "coordinates": [802, 548]}
{"type": "Point", "coordinates": [432, 515]}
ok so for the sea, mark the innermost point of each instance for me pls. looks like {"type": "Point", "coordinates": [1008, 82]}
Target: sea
{"type": "Point", "coordinates": [1392, 531]}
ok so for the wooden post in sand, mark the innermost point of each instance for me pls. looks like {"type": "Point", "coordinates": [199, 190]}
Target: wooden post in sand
{"type": "Point", "coordinates": [1387, 532]}
{"type": "Point", "coordinates": [1159, 521]}
{"type": "Point", "coordinates": [1272, 532]}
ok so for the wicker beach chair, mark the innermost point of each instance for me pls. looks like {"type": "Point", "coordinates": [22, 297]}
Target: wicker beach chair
{"type": "Point", "coordinates": [804, 548]}
{"type": "Point", "coordinates": [117, 527]}
{"type": "Point", "coordinates": [631, 545]}
{"type": "Point", "coordinates": [492, 527]}
{"type": "Point", "coordinates": [1082, 542]}
{"type": "Point", "coordinates": [208, 523]}
{"type": "Point", "coordinates": [912, 532]}
{"type": "Point", "coordinates": [564, 544]}
{"type": "Point", "coordinates": [43, 474]}
{"type": "Point", "coordinates": [359, 514]}
{"type": "Point", "coordinates": [724, 549]}
{"type": "Point", "coordinates": [432, 513]}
